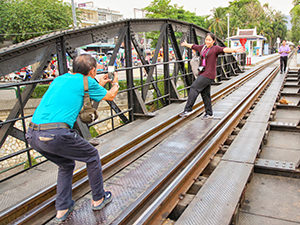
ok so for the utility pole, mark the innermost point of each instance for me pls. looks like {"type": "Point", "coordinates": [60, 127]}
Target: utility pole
{"type": "Point", "coordinates": [74, 14]}
{"type": "Point", "coordinates": [228, 30]}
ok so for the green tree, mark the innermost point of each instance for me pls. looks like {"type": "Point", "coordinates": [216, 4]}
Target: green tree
{"type": "Point", "coordinates": [25, 19]}
{"type": "Point", "coordinates": [163, 9]}
{"type": "Point", "coordinates": [217, 23]}
{"type": "Point", "coordinates": [295, 13]}
{"type": "Point", "coordinates": [245, 14]}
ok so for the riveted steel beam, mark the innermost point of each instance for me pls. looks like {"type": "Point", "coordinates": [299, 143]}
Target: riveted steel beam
{"type": "Point", "coordinates": [167, 84]}
{"type": "Point", "coordinates": [61, 55]}
{"type": "Point", "coordinates": [154, 59]}
{"type": "Point", "coordinates": [27, 53]}
{"type": "Point", "coordinates": [178, 54]}
{"type": "Point", "coordinates": [15, 112]}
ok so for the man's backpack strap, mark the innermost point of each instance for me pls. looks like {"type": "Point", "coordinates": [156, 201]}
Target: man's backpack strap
{"type": "Point", "coordinates": [85, 83]}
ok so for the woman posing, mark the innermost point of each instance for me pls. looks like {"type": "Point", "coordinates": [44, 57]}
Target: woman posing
{"type": "Point", "coordinates": [207, 73]}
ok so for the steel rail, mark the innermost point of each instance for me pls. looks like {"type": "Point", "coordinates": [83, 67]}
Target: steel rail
{"type": "Point", "coordinates": [113, 161]}
{"type": "Point", "coordinates": [190, 167]}
{"type": "Point", "coordinates": [165, 202]}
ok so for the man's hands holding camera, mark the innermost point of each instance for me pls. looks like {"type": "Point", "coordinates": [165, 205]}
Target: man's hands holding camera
{"type": "Point", "coordinates": [104, 79]}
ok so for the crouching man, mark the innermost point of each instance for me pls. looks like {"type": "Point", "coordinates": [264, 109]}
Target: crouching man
{"type": "Point", "coordinates": [51, 134]}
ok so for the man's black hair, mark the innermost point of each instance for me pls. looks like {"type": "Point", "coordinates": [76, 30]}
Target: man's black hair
{"type": "Point", "coordinates": [83, 64]}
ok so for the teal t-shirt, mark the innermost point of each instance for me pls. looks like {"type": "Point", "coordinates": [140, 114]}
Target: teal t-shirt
{"type": "Point", "coordinates": [63, 100]}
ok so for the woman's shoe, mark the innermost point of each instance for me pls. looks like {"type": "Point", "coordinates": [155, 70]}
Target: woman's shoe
{"type": "Point", "coordinates": [206, 117]}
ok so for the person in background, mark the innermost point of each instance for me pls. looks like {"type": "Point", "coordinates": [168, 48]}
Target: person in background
{"type": "Point", "coordinates": [51, 134]}
{"type": "Point", "coordinates": [284, 51]}
{"type": "Point", "coordinates": [207, 73]}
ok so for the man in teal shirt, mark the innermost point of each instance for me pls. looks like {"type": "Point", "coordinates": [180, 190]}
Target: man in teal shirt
{"type": "Point", "coordinates": [51, 133]}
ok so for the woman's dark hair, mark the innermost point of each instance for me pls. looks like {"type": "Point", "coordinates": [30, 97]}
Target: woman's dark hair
{"type": "Point", "coordinates": [83, 64]}
{"type": "Point", "coordinates": [212, 37]}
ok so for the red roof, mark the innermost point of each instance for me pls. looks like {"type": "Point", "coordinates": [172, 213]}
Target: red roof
{"type": "Point", "coordinates": [246, 32]}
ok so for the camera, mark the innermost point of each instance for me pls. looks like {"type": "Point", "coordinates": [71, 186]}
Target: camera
{"type": "Point", "coordinates": [201, 68]}
{"type": "Point", "coordinates": [111, 70]}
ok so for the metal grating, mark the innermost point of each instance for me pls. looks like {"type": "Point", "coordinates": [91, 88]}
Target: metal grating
{"type": "Point", "coordinates": [10, 193]}
{"type": "Point", "coordinates": [130, 183]}
{"type": "Point", "coordinates": [217, 199]}
{"type": "Point", "coordinates": [252, 134]}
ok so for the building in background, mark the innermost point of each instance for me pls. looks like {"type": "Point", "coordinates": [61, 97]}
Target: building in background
{"type": "Point", "coordinates": [108, 15]}
{"type": "Point", "coordinates": [91, 15]}
{"type": "Point", "coordinates": [88, 14]}
{"type": "Point", "coordinates": [254, 43]}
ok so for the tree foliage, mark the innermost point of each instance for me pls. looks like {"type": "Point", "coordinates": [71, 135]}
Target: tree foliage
{"type": "Point", "coordinates": [25, 19]}
{"type": "Point", "coordinates": [295, 13]}
{"type": "Point", "coordinates": [163, 9]}
{"type": "Point", "coordinates": [217, 23]}
{"type": "Point", "coordinates": [245, 14]}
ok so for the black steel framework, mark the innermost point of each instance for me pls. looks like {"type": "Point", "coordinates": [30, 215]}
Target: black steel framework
{"type": "Point", "coordinates": [42, 49]}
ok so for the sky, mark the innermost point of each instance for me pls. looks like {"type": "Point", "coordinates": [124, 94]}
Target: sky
{"type": "Point", "coordinates": [201, 8]}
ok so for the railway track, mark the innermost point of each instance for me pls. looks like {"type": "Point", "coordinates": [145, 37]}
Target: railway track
{"type": "Point", "coordinates": [40, 208]}
{"type": "Point", "coordinates": [194, 163]}
{"type": "Point", "coordinates": [257, 179]}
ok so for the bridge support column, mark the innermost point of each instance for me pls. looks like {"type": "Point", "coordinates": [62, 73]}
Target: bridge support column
{"type": "Point", "coordinates": [166, 66]}
{"type": "Point", "coordinates": [61, 55]}
{"type": "Point", "coordinates": [129, 72]}
{"type": "Point", "coordinates": [178, 55]}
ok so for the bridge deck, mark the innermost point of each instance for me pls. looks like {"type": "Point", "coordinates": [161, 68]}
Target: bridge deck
{"type": "Point", "coordinates": [216, 201]}
{"type": "Point", "coordinates": [135, 180]}
{"type": "Point", "coordinates": [269, 199]}
{"type": "Point", "coordinates": [45, 174]}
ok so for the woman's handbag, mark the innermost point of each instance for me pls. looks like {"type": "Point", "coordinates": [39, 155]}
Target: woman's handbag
{"type": "Point", "coordinates": [87, 114]}
{"type": "Point", "coordinates": [195, 63]}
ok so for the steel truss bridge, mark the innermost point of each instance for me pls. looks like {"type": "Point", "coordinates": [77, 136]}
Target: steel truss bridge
{"type": "Point", "coordinates": [42, 49]}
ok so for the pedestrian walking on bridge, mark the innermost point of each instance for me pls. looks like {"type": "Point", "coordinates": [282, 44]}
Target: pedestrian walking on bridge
{"type": "Point", "coordinates": [51, 134]}
{"type": "Point", "coordinates": [207, 73]}
{"type": "Point", "coordinates": [284, 51]}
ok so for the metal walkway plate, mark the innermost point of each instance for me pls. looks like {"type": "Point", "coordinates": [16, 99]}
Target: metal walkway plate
{"type": "Point", "coordinates": [133, 181]}
{"type": "Point", "coordinates": [263, 109]}
{"type": "Point", "coordinates": [273, 196]}
{"type": "Point", "coordinates": [288, 115]}
{"type": "Point", "coordinates": [249, 219]}
{"type": "Point", "coordinates": [286, 154]}
{"type": "Point", "coordinates": [217, 199]}
{"type": "Point", "coordinates": [278, 139]}
{"type": "Point", "coordinates": [245, 146]}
